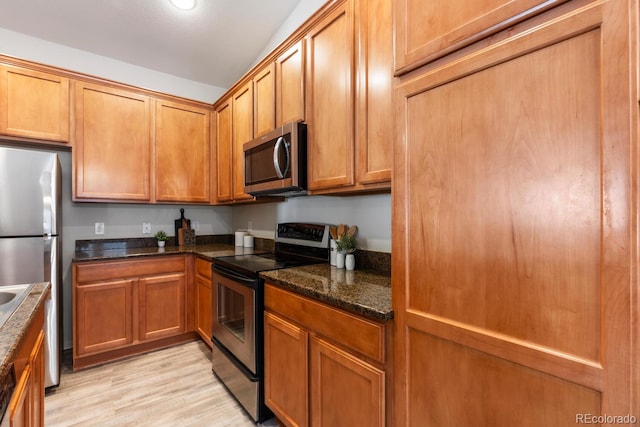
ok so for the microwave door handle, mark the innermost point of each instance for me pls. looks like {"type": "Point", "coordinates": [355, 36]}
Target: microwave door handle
{"type": "Point", "coordinates": [281, 142]}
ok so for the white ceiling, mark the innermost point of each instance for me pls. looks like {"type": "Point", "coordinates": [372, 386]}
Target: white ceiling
{"type": "Point", "coordinates": [215, 43]}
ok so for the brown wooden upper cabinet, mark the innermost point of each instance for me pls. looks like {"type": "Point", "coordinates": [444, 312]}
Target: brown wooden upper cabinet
{"type": "Point", "coordinates": [278, 91]}
{"type": "Point", "coordinates": [330, 100]}
{"type": "Point", "coordinates": [290, 84]}
{"type": "Point", "coordinates": [428, 30]}
{"type": "Point", "coordinates": [182, 153]}
{"type": "Point", "coordinates": [264, 104]}
{"type": "Point", "coordinates": [336, 74]}
{"type": "Point", "coordinates": [234, 120]}
{"type": "Point", "coordinates": [112, 146]}
{"type": "Point", "coordinates": [224, 150]}
{"type": "Point", "coordinates": [242, 127]}
{"type": "Point", "coordinates": [374, 94]}
{"type": "Point", "coordinates": [349, 82]}
{"type": "Point", "coordinates": [34, 104]}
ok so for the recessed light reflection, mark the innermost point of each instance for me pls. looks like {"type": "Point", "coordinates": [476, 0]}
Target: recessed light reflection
{"type": "Point", "coordinates": [184, 4]}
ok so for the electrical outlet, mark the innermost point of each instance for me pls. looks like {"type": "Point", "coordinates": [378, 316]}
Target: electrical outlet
{"type": "Point", "coordinates": [250, 226]}
{"type": "Point", "coordinates": [99, 227]}
{"type": "Point", "coordinates": [146, 228]}
{"type": "Point", "coordinates": [195, 226]}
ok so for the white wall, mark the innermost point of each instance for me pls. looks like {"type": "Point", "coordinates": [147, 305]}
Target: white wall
{"type": "Point", "coordinates": [38, 50]}
{"type": "Point", "coordinates": [301, 13]}
{"type": "Point", "coordinates": [371, 213]}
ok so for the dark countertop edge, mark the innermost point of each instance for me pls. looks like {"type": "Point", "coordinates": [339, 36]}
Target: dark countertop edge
{"type": "Point", "coordinates": [332, 300]}
{"type": "Point", "coordinates": [203, 251]}
{"type": "Point", "coordinates": [15, 328]}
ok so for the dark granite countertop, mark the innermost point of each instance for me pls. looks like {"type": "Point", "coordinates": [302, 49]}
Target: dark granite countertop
{"type": "Point", "coordinates": [14, 329]}
{"type": "Point", "coordinates": [208, 252]}
{"type": "Point", "coordinates": [362, 292]}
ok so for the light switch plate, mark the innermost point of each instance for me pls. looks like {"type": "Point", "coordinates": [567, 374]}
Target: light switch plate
{"type": "Point", "coordinates": [99, 227]}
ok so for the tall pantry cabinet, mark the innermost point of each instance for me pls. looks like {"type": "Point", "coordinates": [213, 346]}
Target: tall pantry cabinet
{"type": "Point", "coordinates": [515, 228]}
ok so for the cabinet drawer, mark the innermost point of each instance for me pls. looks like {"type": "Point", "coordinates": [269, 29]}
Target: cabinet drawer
{"type": "Point", "coordinates": [203, 268]}
{"type": "Point", "coordinates": [108, 270]}
{"type": "Point", "coordinates": [359, 334]}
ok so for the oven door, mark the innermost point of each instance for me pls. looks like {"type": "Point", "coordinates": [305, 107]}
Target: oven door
{"type": "Point", "coordinates": [234, 314]}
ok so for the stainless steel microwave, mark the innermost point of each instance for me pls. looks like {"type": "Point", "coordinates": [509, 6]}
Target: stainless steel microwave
{"type": "Point", "coordinates": [275, 164]}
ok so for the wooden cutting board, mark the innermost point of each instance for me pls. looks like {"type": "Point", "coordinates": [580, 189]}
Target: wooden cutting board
{"type": "Point", "coordinates": [181, 223]}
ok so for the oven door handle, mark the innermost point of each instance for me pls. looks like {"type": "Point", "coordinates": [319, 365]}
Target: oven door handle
{"type": "Point", "coordinates": [233, 276]}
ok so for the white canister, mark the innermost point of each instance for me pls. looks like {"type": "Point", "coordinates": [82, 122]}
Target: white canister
{"type": "Point", "coordinates": [248, 241]}
{"type": "Point", "coordinates": [350, 262]}
{"type": "Point", "coordinates": [240, 238]}
{"type": "Point", "coordinates": [340, 260]}
{"type": "Point", "coordinates": [333, 250]}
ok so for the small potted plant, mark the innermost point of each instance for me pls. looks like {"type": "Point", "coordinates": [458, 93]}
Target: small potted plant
{"type": "Point", "coordinates": [346, 246]}
{"type": "Point", "coordinates": [161, 237]}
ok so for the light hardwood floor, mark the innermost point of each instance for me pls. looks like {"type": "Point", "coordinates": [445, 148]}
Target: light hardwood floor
{"type": "Point", "coordinates": [170, 387]}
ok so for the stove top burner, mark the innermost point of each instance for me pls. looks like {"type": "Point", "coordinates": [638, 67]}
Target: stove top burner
{"type": "Point", "coordinates": [296, 244]}
{"type": "Point", "coordinates": [256, 263]}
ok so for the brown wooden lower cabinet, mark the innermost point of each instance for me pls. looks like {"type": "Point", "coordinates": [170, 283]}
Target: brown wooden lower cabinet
{"type": "Point", "coordinates": [203, 300]}
{"type": "Point", "coordinates": [26, 407]}
{"type": "Point", "coordinates": [345, 390]}
{"type": "Point", "coordinates": [286, 353]}
{"type": "Point", "coordinates": [20, 406]}
{"type": "Point", "coordinates": [126, 307]}
{"type": "Point", "coordinates": [323, 366]}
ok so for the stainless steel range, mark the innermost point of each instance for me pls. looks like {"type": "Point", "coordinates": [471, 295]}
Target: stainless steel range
{"type": "Point", "coordinates": [238, 306]}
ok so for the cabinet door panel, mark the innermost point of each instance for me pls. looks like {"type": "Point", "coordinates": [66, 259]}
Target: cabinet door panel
{"type": "Point", "coordinates": [204, 300]}
{"type": "Point", "coordinates": [112, 150]}
{"type": "Point", "coordinates": [224, 150]}
{"type": "Point", "coordinates": [290, 84]}
{"type": "Point", "coordinates": [242, 132]}
{"type": "Point", "coordinates": [203, 308]}
{"type": "Point", "coordinates": [181, 153]}
{"type": "Point", "coordinates": [344, 389]}
{"type": "Point", "coordinates": [428, 30]}
{"type": "Point", "coordinates": [104, 318]}
{"type": "Point", "coordinates": [162, 306]}
{"type": "Point", "coordinates": [264, 112]}
{"type": "Point", "coordinates": [514, 180]}
{"type": "Point", "coordinates": [285, 358]}
{"type": "Point", "coordinates": [36, 360]}
{"type": "Point", "coordinates": [34, 104]}
{"type": "Point", "coordinates": [330, 101]}
{"type": "Point", "coordinates": [19, 409]}
{"type": "Point", "coordinates": [374, 135]}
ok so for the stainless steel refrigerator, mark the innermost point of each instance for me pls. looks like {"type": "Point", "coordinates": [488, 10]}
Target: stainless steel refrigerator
{"type": "Point", "coordinates": [30, 235]}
